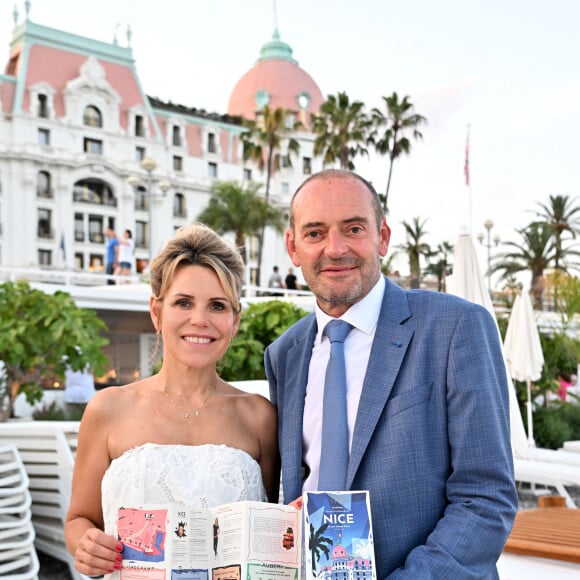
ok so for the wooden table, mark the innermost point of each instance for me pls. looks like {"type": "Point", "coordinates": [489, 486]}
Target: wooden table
{"type": "Point", "coordinates": [546, 533]}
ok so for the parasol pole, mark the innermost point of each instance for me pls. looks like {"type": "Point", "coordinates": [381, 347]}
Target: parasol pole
{"type": "Point", "coordinates": [531, 441]}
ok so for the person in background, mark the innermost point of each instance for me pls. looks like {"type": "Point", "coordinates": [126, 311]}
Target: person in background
{"type": "Point", "coordinates": [275, 281]}
{"type": "Point", "coordinates": [112, 253]}
{"type": "Point", "coordinates": [79, 388]}
{"type": "Point", "coordinates": [565, 382]}
{"type": "Point", "coordinates": [427, 409]}
{"type": "Point", "coordinates": [126, 254]}
{"type": "Point", "coordinates": [291, 281]}
{"type": "Point", "coordinates": [184, 436]}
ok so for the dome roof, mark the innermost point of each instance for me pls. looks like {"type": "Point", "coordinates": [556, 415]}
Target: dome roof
{"type": "Point", "coordinates": [339, 552]}
{"type": "Point", "coordinates": [275, 80]}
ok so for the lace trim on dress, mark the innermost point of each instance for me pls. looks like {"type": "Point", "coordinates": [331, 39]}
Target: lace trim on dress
{"type": "Point", "coordinates": [200, 476]}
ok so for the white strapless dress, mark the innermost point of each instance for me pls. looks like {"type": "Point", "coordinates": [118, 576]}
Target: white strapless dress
{"type": "Point", "coordinates": [199, 476]}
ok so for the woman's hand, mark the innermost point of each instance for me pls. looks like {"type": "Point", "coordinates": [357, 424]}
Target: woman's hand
{"type": "Point", "coordinates": [98, 553]}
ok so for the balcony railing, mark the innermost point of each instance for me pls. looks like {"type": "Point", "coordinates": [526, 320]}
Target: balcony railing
{"type": "Point", "coordinates": [45, 192]}
{"type": "Point", "coordinates": [84, 195]}
{"type": "Point", "coordinates": [45, 234]}
{"type": "Point", "coordinates": [96, 238]}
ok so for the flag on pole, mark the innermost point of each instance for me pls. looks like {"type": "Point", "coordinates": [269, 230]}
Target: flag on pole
{"type": "Point", "coordinates": [466, 166]}
{"type": "Point", "coordinates": [63, 248]}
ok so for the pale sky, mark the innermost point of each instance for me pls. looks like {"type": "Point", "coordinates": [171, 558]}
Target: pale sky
{"type": "Point", "coordinates": [507, 68]}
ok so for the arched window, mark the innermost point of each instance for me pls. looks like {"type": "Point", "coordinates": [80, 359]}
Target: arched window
{"type": "Point", "coordinates": [92, 117]}
{"type": "Point", "coordinates": [43, 187]}
{"type": "Point", "coordinates": [95, 191]}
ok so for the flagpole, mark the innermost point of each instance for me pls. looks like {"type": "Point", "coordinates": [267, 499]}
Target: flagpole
{"type": "Point", "coordinates": [467, 179]}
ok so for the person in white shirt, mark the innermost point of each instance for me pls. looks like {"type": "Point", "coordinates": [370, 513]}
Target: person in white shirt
{"type": "Point", "coordinates": [126, 253]}
{"type": "Point", "coordinates": [79, 388]}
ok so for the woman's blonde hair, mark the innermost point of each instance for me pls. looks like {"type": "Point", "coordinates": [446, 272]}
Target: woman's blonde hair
{"type": "Point", "coordinates": [199, 245]}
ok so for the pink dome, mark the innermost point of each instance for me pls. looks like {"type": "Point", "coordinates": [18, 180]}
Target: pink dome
{"type": "Point", "coordinates": [339, 552]}
{"type": "Point", "coordinates": [275, 80]}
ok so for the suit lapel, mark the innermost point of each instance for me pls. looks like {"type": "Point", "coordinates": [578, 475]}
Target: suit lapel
{"type": "Point", "coordinates": [388, 351]}
{"type": "Point", "coordinates": [298, 362]}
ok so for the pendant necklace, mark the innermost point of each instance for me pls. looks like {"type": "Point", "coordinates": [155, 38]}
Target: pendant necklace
{"type": "Point", "coordinates": [187, 413]}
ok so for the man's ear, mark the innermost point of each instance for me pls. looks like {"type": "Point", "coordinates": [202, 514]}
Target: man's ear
{"type": "Point", "coordinates": [385, 237]}
{"type": "Point", "coordinates": [291, 248]}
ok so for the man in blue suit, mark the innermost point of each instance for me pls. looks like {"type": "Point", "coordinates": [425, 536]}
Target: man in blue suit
{"type": "Point", "coordinates": [428, 417]}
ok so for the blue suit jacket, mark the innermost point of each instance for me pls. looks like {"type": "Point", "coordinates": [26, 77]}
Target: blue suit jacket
{"type": "Point", "coordinates": [431, 441]}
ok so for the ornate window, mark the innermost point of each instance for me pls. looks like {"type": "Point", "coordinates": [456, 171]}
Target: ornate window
{"type": "Point", "coordinates": [139, 126]}
{"type": "Point", "coordinates": [94, 191]}
{"type": "Point", "coordinates": [92, 117]}
{"type": "Point", "coordinates": [42, 106]}
{"type": "Point", "coordinates": [176, 136]}
{"type": "Point", "coordinates": [211, 146]}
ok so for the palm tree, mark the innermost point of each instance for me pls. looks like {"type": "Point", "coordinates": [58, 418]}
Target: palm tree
{"type": "Point", "coordinates": [441, 267]}
{"type": "Point", "coordinates": [240, 209]}
{"type": "Point", "coordinates": [415, 248]}
{"type": "Point", "coordinates": [562, 216]}
{"type": "Point", "coordinates": [535, 252]}
{"type": "Point", "coordinates": [398, 120]}
{"type": "Point", "coordinates": [341, 130]}
{"type": "Point", "coordinates": [318, 543]}
{"type": "Point", "coordinates": [267, 142]}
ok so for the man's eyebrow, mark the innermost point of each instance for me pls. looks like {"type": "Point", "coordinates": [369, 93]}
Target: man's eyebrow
{"type": "Point", "coordinates": [311, 225]}
{"type": "Point", "coordinates": [347, 221]}
{"type": "Point", "coordinates": [356, 218]}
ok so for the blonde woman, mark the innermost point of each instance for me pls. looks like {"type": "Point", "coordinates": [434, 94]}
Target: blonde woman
{"type": "Point", "coordinates": [183, 435]}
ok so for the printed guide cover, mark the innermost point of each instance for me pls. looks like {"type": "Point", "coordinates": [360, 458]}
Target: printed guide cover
{"type": "Point", "coordinates": [338, 536]}
{"type": "Point", "coordinates": [244, 540]}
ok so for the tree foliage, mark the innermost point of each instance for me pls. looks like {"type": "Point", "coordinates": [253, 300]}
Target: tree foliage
{"type": "Point", "coordinates": [269, 142]}
{"type": "Point", "coordinates": [535, 252]}
{"type": "Point", "coordinates": [239, 209]}
{"type": "Point", "coordinates": [415, 247]}
{"type": "Point", "coordinates": [261, 323]}
{"type": "Point", "coordinates": [341, 128]}
{"type": "Point", "coordinates": [41, 333]}
{"type": "Point", "coordinates": [398, 120]}
{"type": "Point", "coordinates": [562, 217]}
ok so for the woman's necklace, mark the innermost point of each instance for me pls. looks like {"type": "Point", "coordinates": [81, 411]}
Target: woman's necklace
{"type": "Point", "coordinates": [187, 413]}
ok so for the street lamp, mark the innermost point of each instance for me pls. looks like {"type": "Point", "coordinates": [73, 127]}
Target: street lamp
{"type": "Point", "coordinates": [488, 225]}
{"type": "Point", "coordinates": [149, 165]}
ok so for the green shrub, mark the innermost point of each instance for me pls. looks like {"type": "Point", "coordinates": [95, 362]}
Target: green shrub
{"type": "Point", "coordinates": [570, 412]}
{"type": "Point", "coordinates": [552, 426]}
{"type": "Point", "coordinates": [261, 324]}
{"type": "Point", "coordinates": [49, 412]}
{"type": "Point", "coordinates": [52, 412]}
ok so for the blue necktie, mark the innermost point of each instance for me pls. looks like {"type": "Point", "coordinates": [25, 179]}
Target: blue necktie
{"type": "Point", "coordinates": [334, 451]}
